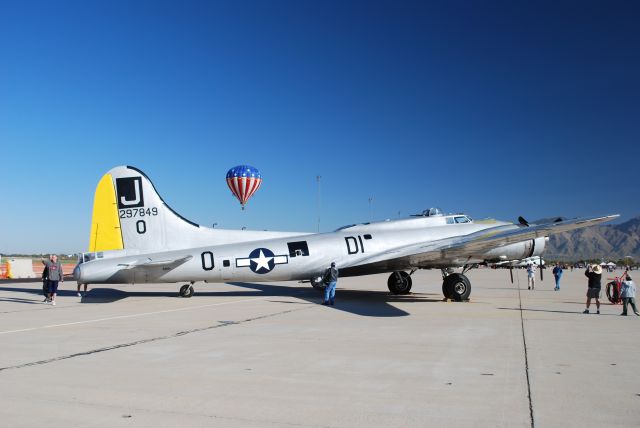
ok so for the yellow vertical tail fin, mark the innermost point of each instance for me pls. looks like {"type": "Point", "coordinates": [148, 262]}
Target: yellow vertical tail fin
{"type": "Point", "coordinates": [106, 233]}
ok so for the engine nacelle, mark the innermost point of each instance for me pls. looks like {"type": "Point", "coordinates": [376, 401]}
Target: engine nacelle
{"type": "Point", "coordinates": [521, 250]}
{"type": "Point", "coordinates": [539, 246]}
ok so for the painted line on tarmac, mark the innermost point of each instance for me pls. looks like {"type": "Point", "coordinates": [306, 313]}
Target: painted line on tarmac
{"type": "Point", "coordinates": [526, 358]}
{"type": "Point", "coordinates": [142, 314]}
{"type": "Point", "coordinates": [151, 340]}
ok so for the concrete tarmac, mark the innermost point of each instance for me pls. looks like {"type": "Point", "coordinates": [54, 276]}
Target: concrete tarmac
{"type": "Point", "coordinates": [268, 355]}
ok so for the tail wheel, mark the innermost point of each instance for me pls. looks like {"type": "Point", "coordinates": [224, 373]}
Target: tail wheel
{"type": "Point", "coordinates": [456, 287]}
{"type": "Point", "coordinates": [186, 290]}
{"type": "Point", "coordinates": [399, 283]}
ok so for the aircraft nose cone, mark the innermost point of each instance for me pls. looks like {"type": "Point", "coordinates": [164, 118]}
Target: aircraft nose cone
{"type": "Point", "coordinates": [77, 273]}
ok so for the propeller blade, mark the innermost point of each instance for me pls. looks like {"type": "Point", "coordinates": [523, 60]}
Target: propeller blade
{"type": "Point", "coordinates": [541, 269]}
{"type": "Point", "coordinates": [511, 272]}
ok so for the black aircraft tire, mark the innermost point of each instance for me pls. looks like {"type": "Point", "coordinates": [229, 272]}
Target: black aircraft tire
{"type": "Point", "coordinates": [186, 290]}
{"type": "Point", "coordinates": [409, 285]}
{"type": "Point", "coordinates": [446, 289]}
{"type": "Point", "coordinates": [400, 285]}
{"type": "Point", "coordinates": [318, 284]}
{"type": "Point", "coordinates": [456, 287]}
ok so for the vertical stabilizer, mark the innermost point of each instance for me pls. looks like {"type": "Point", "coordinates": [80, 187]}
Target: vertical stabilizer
{"type": "Point", "coordinates": [105, 224]}
{"type": "Point", "coordinates": [129, 214]}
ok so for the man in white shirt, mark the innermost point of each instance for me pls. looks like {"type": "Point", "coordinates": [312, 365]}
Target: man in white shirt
{"type": "Point", "coordinates": [531, 276]}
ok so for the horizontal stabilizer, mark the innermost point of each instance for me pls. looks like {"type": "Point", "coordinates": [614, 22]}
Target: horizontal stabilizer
{"type": "Point", "coordinates": [148, 262]}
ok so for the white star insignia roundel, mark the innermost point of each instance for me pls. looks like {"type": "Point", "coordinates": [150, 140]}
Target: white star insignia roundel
{"type": "Point", "coordinates": [262, 260]}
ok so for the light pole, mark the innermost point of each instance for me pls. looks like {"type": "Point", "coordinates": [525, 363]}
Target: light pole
{"type": "Point", "coordinates": [318, 201]}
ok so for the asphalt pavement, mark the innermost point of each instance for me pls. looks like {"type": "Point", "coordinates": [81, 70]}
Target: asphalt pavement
{"type": "Point", "coordinates": [268, 354]}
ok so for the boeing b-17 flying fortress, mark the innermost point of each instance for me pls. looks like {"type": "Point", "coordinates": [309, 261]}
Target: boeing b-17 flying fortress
{"type": "Point", "coordinates": [136, 238]}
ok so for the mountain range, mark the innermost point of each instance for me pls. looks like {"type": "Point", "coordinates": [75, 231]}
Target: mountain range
{"type": "Point", "coordinates": [607, 242]}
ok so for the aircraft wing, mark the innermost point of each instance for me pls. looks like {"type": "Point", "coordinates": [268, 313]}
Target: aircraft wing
{"type": "Point", "coordinates": [456, 250]}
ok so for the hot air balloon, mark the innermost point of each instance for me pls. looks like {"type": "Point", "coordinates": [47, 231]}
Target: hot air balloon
{"type": "Point", "coordinates": [243, 180]}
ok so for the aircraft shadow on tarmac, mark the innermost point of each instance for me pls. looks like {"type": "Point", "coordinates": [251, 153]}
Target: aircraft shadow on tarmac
{"type": "Point", "coordinates": [358, 302]}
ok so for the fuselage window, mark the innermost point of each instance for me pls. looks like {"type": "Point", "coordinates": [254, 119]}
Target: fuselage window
{"type": "Point", "coordinates": [226, 263]}
{"type": "Point", "coordinates": [298, 248]}
{"type": "Point", "coordinates": [367, 236]}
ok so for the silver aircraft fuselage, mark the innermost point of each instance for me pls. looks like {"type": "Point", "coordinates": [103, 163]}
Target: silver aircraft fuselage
{"type": "Point", "coordinates": [303, 256]}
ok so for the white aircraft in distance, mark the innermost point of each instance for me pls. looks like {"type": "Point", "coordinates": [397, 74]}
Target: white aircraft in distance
{"type": "Point", "coordinates": [137, 238]}
{"type": "Point", "coordinates": [537, 260]}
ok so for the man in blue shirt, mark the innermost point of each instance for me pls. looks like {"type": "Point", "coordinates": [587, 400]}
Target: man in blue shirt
{"type": "Point", "coordinates": [557, 274]}
{"type": "Point", "coordinates": [331, 279]}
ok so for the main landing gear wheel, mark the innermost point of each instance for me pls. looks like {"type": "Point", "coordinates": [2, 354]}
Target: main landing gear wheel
{"type": "Point", "coordinates": [318, 284]}
{"type": "Point", "coordinates": [456, 287]}
{"type": "Point", "coordinates": [186, 290]}
{"type": "Point", "coordinates": [399, 282]}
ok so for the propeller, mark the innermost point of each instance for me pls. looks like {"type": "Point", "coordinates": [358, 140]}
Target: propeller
{"type": "Point", "coordinates": [511, 273]}
{"type": "Point", "coordinates": [541, 269]}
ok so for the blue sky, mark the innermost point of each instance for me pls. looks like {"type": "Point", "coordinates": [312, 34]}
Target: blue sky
{"type": "Point", "coordinates": [496, 109]}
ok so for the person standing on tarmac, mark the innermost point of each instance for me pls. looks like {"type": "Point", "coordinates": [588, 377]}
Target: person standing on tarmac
{"type": "Point", "coordinates": [54, 276]}
{"type": "Point", "coordinates": [628, 294]}
{"type": "Point", "coordinates": [557, 274]}
{"type": "Point", "coordinates": [45, 284]}
{"type": "Point", "coordinates": [531, 276]}
{"type": "Point", "coordinates": [331, 280]}
{"type": "Point", "coordinates": [594, 273]}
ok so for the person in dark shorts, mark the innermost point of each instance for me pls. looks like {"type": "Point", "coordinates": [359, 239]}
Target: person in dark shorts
{"type": "Point", "coordinates": [594, 273]}
{"type": "Point", "coordinates": [54, 276]}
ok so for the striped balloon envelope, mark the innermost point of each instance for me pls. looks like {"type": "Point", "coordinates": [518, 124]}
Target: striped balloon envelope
{"type": "Point", "coordinates": [243, 181]}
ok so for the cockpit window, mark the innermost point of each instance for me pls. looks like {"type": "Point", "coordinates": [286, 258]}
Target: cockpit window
{"type": "Point", "coordinates": [462, 219]}
{"type": "Point", "coordinates": [431, 212]}
{"type": "Point", "coordinates": [86, 257]}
